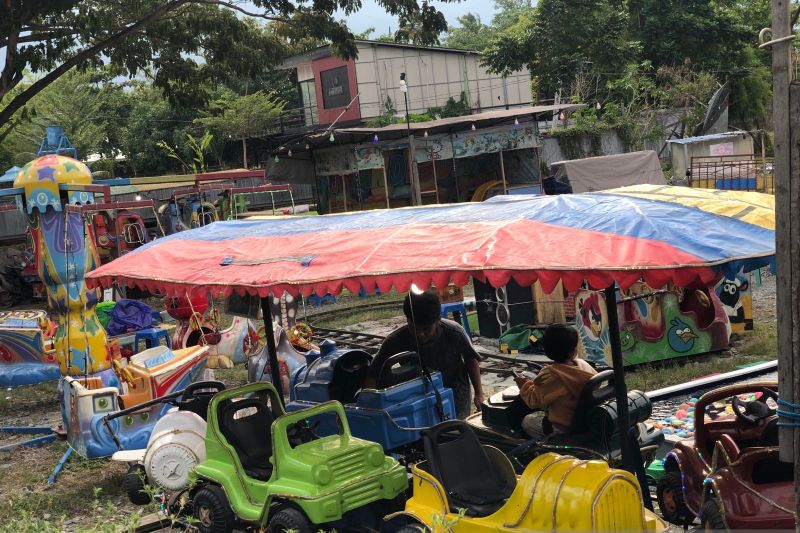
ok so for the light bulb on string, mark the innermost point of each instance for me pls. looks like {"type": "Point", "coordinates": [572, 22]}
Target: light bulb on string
{"type": "Point", "coordinates": [308, 147]}
{"type": "Point", "coordinates": [289, 153]}
{"type": "Point", "coordinates": [375, 139]}
{"type": "Point", "coordinates": [332, 138]}
{"type": "Point", "coordinates": [277, 159]}
{"type": "Point", "coordinates": [516, 123]}
{"type": "Point", "coordinates": [425, 134]}
{"type": "Point", "coordinates": [473, 127]}
{"type": "Point", "coordinates": [598, 106]}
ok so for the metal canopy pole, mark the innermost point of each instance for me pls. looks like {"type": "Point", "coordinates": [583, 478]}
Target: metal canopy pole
{"type": "Point", "coordinates": [631, 456]}
{"type": "Point", "coordinates": [269, 332]}
{"type": "Point", "coordinates": [619, 372]}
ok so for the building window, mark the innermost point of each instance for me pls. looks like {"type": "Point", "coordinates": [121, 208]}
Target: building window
{"type": "Point", "coordinates": [335, 87]}
{"type": "Point", "coordinates": [308, 97]}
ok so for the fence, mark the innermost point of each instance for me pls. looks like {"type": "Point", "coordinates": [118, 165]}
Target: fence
{"type": "Point", "coordinates": [732, 172]}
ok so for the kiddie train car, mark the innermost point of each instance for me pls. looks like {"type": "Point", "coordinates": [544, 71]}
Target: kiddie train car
{"type": "Point", "coordinates": [404, 400]}
{"type": "Point", "coordinates": [150, 374]}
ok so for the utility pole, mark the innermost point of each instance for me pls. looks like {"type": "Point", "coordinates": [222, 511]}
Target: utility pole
{"type": "Point", "coordinates": [416, 194]}
{"type": "Point", "coordinates": [786, 121]}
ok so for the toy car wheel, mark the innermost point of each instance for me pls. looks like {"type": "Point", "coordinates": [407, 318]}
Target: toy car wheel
{"type": "Point", "coordinates": [134, 485]}
{"type": "Point", "coordinates": [669, 492]}
{"type": "Point", "coordinates": [711, 517]}
{"type": "Point", "coordinates": [290, 519]}
{"type": "Point", "coordinates": [212, 510]}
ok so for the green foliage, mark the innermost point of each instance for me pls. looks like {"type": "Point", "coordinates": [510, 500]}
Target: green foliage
{"type": "Point", "coordinates": [583, 48]}
{"type": "Point", "coordinates": [243, 117]}
{"type": "Point", "coordinates": [163, 39]}
{"type": "Point", "coordinates": [470, 34]}
{"type": "Point", "coordinates": [195, 152]}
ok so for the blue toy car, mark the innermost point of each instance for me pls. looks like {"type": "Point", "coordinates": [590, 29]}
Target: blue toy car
{"type": "Point", "coordinates": [406, 399]}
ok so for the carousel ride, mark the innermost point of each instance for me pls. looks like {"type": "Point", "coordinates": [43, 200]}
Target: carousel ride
{"type": "Point", "coordinates": [56, 192]}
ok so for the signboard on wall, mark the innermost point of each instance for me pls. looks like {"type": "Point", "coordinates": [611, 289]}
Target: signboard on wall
{"type": "Point", "coordinates": [721, 149]}
{"type": "Point", "coordinates": [433, 148]}
{"type": "Point", "coordinates": [487, 141]}
{"type": "Point", "coordinates": [335, 87]}
{"type": "Point", "coordinates": [335, 161]}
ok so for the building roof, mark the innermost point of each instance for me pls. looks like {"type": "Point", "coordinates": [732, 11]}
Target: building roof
{"type": "Point", "coordinates": [707, 138]}
{"type": "Point", "coordinates": [443, 125]}
{"type": "Point", "coordinates": [325, 51]}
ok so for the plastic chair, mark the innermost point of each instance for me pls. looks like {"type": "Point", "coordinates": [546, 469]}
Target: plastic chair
{"type": "Point", "coordinates": [459, 310]}
{"type": "Point", "coordinates": [151, 337]}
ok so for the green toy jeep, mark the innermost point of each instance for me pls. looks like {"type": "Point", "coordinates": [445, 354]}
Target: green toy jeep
{"type": "Point", "coordinates": [265, 467]}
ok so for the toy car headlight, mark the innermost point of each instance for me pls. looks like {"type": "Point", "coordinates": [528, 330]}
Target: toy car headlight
{"type": "Point", "coordinates": [322, 474]}
{"type": "Point", "coordinates": [376, 457]}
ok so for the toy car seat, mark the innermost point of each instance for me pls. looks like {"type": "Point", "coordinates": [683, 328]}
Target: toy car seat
{"type": "Point", "coordinates": [769, 435]}
{"type": "Point", "coordinates": [476, 478]}
{"type": "Point", "coordinates": [398, 368]}
{"type": "Point", "coordinates": [249, 434]}
{"type": "Point", "coordinates": [349, 374]}
{"type": "Point", "coordinates": [726, 452]}
{"type": "Point", "coordinates": [196, 397]}
{"type": "Point", "coordinates": [598, 389]}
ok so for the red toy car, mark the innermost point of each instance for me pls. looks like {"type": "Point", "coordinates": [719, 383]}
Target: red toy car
{"type": "Point", "coordinates": [729, 475]}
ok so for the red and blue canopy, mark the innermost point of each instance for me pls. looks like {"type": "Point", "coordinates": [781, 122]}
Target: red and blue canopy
{"type": "Point", "coordinates": [658, 233]}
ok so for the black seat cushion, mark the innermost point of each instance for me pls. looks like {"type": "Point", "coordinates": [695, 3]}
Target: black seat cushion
{"type": "Point", "coordinates": [398, 368]}
{"type": "Point", "coordinates": [470, 478]}
{"type": "Point", "coordinates": [348, 376]}
{"type": "Point", "coordinates": [769, 436]}
{"type": "Point", "coordinates": [249, 434]}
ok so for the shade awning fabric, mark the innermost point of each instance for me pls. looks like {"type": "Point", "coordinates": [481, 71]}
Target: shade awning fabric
{"type": "Point", "coordinates": [612, 171]}
{"type": "Point", "coordinates": [659, 233]}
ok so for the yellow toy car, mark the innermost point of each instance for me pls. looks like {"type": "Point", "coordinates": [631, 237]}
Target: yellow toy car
{"type": "Point", "coordinates": [465, 486]}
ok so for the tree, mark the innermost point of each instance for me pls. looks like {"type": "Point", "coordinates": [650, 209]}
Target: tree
{"type": "Point", "coordinates": [243, 117]}
{"type": "Point", "coordinates": [86, 104]}
{"type": "Point", "coordinates": [163, 40]}
{"type": "Point", "coordinates": [471, 34]}
{"type": "Point", "coordinates": [560, 38]}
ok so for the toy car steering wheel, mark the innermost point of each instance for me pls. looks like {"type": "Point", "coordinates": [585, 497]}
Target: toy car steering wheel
{"type": "Point", "coordinates": [300, 334]}
{"type": "Point", "coordinates": [754, 411]}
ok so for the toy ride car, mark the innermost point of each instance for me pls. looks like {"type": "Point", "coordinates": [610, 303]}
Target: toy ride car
{"type": "Point", "coordinates": [593, 433]}
{"type": "Point", "coordinates": [405, 399]}
{"type": "Point", "coordinates": [176, 445]}
{"type": "Point", "coordinates": [729, 474]}
{"type": "Point", "coordinates": [472, 487]}
{"type": "Point", "coordinates": [266, 467]}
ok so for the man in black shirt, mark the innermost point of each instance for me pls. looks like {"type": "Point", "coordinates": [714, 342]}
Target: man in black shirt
{"type": "Point", "coordinates": [442, 344]}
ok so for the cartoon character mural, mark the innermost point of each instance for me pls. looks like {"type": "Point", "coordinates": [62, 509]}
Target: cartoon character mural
{"type": "Point", "coordinates": [737, 301]}
{"type": "Point", "coordinates": [592, 325]}
{"type": "Point", "coordinates": [654, 326]}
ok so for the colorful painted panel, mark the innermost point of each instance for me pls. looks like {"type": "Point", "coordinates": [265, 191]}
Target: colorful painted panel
{"type": "Point", "coordinates": [653, 327]}
{"type": "Point", "coordinates": [26, 356]}
{"type": "Point", "coordinates": [493, 140]}
{"type": "Point", "coordinates": [737, 301]}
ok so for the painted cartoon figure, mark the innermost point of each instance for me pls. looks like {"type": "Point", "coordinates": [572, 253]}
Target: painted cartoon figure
{"type": "Point", "coordinates": [737, 301]}
{"type": "Point", "coordinates": [680, 337]}
{"type": "Point", "coordinates": [591, 325]}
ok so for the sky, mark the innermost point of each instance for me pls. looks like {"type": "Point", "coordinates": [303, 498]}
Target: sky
{"type": "Point", "coordinates": [371, 15]}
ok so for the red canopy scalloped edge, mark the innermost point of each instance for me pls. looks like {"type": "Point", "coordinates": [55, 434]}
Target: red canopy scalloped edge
{"type": "Point", "coordinates": [401, 282]}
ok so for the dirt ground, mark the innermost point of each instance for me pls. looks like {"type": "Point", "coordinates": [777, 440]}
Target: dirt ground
{"type": "Point", "coordinates": [89, 495]}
